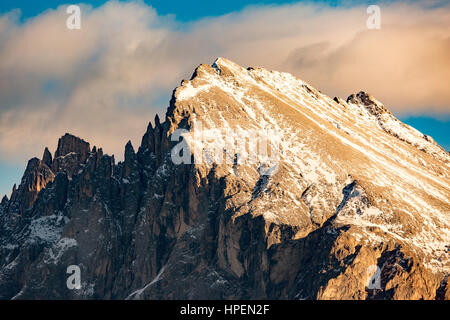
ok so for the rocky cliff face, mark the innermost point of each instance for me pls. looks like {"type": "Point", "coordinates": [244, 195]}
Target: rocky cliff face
{"type": "Point", "coordinates": [357, 208]}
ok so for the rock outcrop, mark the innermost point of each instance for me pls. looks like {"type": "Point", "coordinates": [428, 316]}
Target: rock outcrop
{"type": "Point", "coordinates": [357, 208]}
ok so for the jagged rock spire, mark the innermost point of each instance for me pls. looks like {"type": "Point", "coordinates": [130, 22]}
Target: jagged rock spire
{"type": "Point", "coordinates": [130, 159]}
{"type": "Point", "coordinates": [158, 134]}
{"type": "Point", "coordinates": [129, 150]}
{"type": "Point", "coordinates": [148, 140]}
{"type": "Point", "coordinates": [13, 192]}
{"type": "Point", "coordinates": [47, 157]}
{"type": "Point", "coordinates": [4, 201]}
{"type": "Point", "coordinates": [369, 102]}
{"type": "Point", "coordinates": [36, 177]}
{"type": "Point", "coordinates": [71, 152]}
{"type": "Point", "coordinates": [70, 143]}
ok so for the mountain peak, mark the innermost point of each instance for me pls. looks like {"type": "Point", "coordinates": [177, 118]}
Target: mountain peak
{"type": "Point", "coordinates": [4, 200]}
{"type": "Point", "coordinates": [47, 157]}
{"type": "Point", "coordinates": [71, 152]}
{"type": "Point", "coordinates": [355, 189]}
{"type": "Point", "coordinates": [365, 99]}
{"type": "Point", "coordinates": [220, 61]}
{"type": "Point", "coordinates": [324, 140]}
{"type": "Point", "coordinates": [70, 143]}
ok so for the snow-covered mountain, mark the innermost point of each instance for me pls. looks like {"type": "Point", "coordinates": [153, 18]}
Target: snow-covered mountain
{"type": "Point", "coordinates": [355, 204]}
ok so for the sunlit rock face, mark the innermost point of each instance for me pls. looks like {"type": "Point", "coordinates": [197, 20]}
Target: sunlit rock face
{"type": "Point", "coordinates": [357, 208]}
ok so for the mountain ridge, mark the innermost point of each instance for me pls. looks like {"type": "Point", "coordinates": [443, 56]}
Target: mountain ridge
{"type": "Point", "coordinates": [352, 180]}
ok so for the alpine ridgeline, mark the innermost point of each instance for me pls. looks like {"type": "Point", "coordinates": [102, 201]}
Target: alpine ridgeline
{"type": "Point", "coordinates": [358, 207]}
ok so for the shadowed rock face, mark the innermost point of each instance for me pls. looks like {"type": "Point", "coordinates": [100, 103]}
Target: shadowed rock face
{"type": "Point", "coordinates": [47, 158]}
{"type": "Point", "coordinates": [69, 143]}
{"type": "Point", "coordinates": [71, 152]}
{"type": "Point", "coordinates": [356, 191]}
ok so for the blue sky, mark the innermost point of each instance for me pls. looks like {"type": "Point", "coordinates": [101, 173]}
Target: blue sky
{"type": "Point", "coordinates": [184, 10]}
{"type": "Point", "coordinates": [437, 127]}
{"type": "Point", "coordinates": [435, 124]}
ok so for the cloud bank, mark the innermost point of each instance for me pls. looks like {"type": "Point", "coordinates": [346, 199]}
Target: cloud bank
{"type": "Point", "coordinates": [107, 80]}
